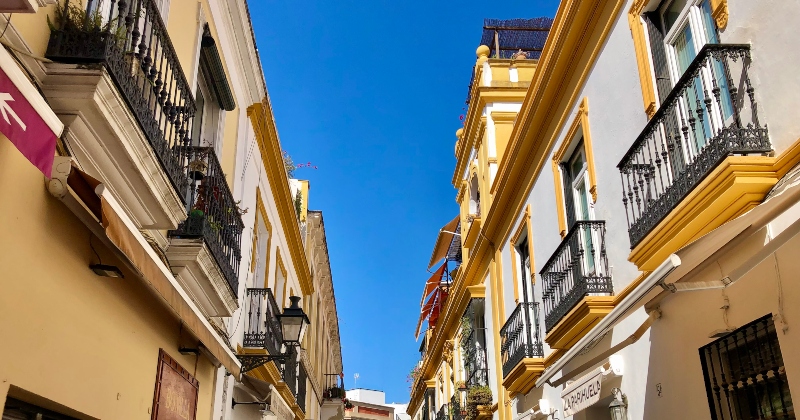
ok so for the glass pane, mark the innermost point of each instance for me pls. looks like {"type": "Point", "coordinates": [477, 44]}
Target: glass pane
{"type": "Point", "coordinates": [197, 124]}
{"type": "Point", "coordinates": [577, 162]}
{"type": "Point", "coordinates": [710, 28]}
{"type": "Point", "coordinates": [672, 12]}
{"type": "Point", "coordinates": [684, 49]}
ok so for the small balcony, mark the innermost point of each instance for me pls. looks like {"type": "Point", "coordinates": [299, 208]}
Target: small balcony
{"type": "Point", "coordinates": [709, 115]}
{"type": "Point", "coordinates": [520, 337]}
{"type": "Point", "coordinates": [577, 270]}
{"type": "Point", "coordinates": [473, 345]}
{"type": "Point", "coordinates": [116, 82]}
{"type": "Point", "coordinates": [263, 329]}
{"type": "Point", "coordinates": [442, 414]}
{"type": "Point", "coordinates": [214, 217]}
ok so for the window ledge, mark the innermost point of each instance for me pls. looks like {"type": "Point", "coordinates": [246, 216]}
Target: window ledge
{"type": "Point", "coordinates": [585, 315]}
{"type": "Point", "coordinates": [523, 377]}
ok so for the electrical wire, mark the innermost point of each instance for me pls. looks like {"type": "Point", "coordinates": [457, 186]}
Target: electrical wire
{"type": "Point", "coordinates": [8, 23]}
{"type": "Point", "coordinates": [99, 260]}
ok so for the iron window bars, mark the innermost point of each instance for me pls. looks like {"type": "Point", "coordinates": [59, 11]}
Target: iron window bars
{"type": "Point", "coordinates": [473, 344]}
{"type": "Point", "coordinates": [455, 407]}
{"type": "Point", "coordinates": [214, 215]}
{"type": "Point", "coordinates": [263, 328]}
{"type": "Point", "coordinates": [704, 119]}
{"type": "Point", "coordinates": [745, 376]}
{"type": "Point", "coordinates": [578, 268]}
{"type": "Point", "coordinates": [131, 41]}
{"type": "Point", "coordinates": [520, 337]}
{"type": "Point", "coordinates": [300, 397]}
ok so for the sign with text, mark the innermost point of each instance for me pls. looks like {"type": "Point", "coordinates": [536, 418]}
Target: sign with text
{"type": "Point", "coordinates": [21, 120]}
{"type": "Point", "coordinates": [176, 391]}
{"type": "Point", "coordinates": [279, 407]}
{"type": "Point", "coordinates": [582, 393]}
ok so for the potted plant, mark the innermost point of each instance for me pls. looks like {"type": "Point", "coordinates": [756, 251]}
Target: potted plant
{"type": "Point", "coordinates": [479, 401]}
{"type": "Point", "coordinates": [520, 55]}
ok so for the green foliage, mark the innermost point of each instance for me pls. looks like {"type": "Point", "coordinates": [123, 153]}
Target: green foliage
{"type": "Point", "coordinates": [477, 395]}
{"type": "Point", "coordinates": [72, 15]}
{"type": "Point", "coordinates": [298, 203]}
{"type": "Point", "coordinates": [289, 164]}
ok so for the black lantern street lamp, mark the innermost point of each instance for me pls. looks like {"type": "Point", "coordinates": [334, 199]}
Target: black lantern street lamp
{"type": "Point", "coordinates": [294, 323]}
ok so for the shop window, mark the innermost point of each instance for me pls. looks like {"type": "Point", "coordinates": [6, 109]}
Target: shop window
{"type": "Point", "coordinates": [745, 376]}
{"type": "Point", "coordinates": [19, 410]}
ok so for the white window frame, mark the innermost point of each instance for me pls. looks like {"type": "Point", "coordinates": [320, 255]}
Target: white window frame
{"type": "Point", "coordinates": [690, 15]}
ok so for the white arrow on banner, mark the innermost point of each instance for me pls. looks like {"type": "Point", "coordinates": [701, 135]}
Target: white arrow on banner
{"type": "Point", "coordinates": [6, 109]}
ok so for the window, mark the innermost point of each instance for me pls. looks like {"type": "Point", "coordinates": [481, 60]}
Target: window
{"type": "Point", "coordinates": [206, 125]}
{"type": "Point", "coordinates": [474, 197]}
{"type": "Point", "coordinates": [745, 376]}
{"type": "Point", "coordinates": [678, 30]}
{"type": "Point", "coordinates": [574, 172]}
{"type": "Point", "coordinates": [18, 410]}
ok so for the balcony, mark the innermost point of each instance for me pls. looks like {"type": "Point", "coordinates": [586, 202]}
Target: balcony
{"type": "Point", "coordinates": [458, 411]}
{"type": "Point", "coordinates": [520, 336]}
{"type": "Point", "coordinates": [263, 329]}
{"type": "Point", "coordinates": [709, 115]}
{"type": "Point", "coordinates": [117, 84]}
{"type": "Point", "coordinates": [473, 345]}
{"type": "Point", "coordinates": [213, 228]}
{"type": "Point", "coordinates": [442, 414]}
{"type": "Point", "coordinates": [576, 273]}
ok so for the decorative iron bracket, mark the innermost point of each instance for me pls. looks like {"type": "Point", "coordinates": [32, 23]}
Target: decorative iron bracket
{"type": "Point", "coordinates": [252, 361]}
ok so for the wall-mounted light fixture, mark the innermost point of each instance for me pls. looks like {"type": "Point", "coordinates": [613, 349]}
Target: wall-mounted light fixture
{"type": "Point", "coordinates": [294, 323]}
{"type": "Point", "coordinates": [105, 270]}
{"type": "Point", "coordinates": [619, 405]}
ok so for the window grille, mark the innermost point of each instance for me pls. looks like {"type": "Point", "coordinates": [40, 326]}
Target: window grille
{"type": "Point", "coordinates": [745, 376]}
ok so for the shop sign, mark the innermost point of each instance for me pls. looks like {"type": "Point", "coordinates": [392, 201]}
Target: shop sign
{"type": "Point", "coordinates": [279, 407]}
{"type": "Point", "coordinates": [176, 391]}
{"type": "Point", "coordinates": [583, 393]}
{"type": "Point", "coordinates": [22, 116]}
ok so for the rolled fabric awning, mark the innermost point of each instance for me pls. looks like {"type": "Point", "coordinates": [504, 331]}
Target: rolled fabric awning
{"type": "Point", "coordinates": [433, 283]}
{"type": "Point", "coordinates": [443, 241]}
{"type": "Point", "coordinates": [108, 221]}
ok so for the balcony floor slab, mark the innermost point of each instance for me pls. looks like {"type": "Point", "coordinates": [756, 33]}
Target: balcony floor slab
{"type": "Point", "coordinates": [523, 377]}
{"type": "Point", "coordinates": [198, 272]}
{"type": "Point", "coordinates": [585, 315]}
{"type": "Point", "coordinates": [734, 187]}
{"type": "Point", "coordinates": [102, 134]}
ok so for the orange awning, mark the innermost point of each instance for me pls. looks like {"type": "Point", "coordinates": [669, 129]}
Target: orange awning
{"type": "Point", "coordinates": [431, 309]}
{"type": "Point", "coordinates": [443, 241]}
{"type": "Point", "coordinates": [433, 283]}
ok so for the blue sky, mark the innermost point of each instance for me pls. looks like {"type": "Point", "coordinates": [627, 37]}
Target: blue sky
{"type": "Point", "coordinates": [370, 92]}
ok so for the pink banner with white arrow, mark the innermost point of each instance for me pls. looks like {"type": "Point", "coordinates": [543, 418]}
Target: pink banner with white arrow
{"type": "Point", "coordinates": [23, 125]}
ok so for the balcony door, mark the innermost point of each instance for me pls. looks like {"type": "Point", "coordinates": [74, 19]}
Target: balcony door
{"type": "Point", "coordinates": [687, 27]}
{"type": "Point", "coordinates": [579, 206]}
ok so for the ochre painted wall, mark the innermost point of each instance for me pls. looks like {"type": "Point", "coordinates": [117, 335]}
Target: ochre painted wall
{"type": "Point", "coordinates": [87, 342]}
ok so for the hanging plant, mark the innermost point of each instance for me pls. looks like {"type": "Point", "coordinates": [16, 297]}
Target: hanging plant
{"type": "Point", "coordinates": [477, 396]}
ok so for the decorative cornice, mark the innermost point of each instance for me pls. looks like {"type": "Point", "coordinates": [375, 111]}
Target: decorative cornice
{"type": "Point", "coordinates": [260, 115]}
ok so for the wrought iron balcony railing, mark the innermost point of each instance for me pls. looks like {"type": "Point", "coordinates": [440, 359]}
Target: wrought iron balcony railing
{"type": "Point", "coordinates": [214, 215]}
{"type": "Point", "coordinates": [130, 39]}
{"type": "Point", "coordinates": [711, 113]}
{"type": "Point", "coordinates": [442, 413]}
{"type": "Point", "coordinates": [263, 329]}
{"type": "Point", "coordinates": [520, 337]}
{"type": "Point", "coordinates": [334, 387]}
{"type": "Point", "coordinates": [456, 408]}
{"type": "Point", "coordinates": [300, 397]}
{"type": "Point", "coordinates": [290, 372]}
{"type": "Point", "coordinates": [578, 268]}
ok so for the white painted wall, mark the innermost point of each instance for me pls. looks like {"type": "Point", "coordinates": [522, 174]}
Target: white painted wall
{"type": "Point", "coordinates": [369, 396]}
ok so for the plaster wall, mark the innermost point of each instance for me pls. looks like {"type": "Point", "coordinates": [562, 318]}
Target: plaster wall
{"type": "Point", "coordinates": [768, 26]}
{"type": "Point", "coordinates": [85, 342]}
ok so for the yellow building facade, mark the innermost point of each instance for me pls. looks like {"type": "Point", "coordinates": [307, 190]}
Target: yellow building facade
{"type": "Point", "coordinates": [149, 222]}
{"type": "Point", "coordinates": [636, 229]}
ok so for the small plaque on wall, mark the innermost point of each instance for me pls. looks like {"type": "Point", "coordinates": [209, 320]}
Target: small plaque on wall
{"type": "Point", "coordinates": [176, 391]}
